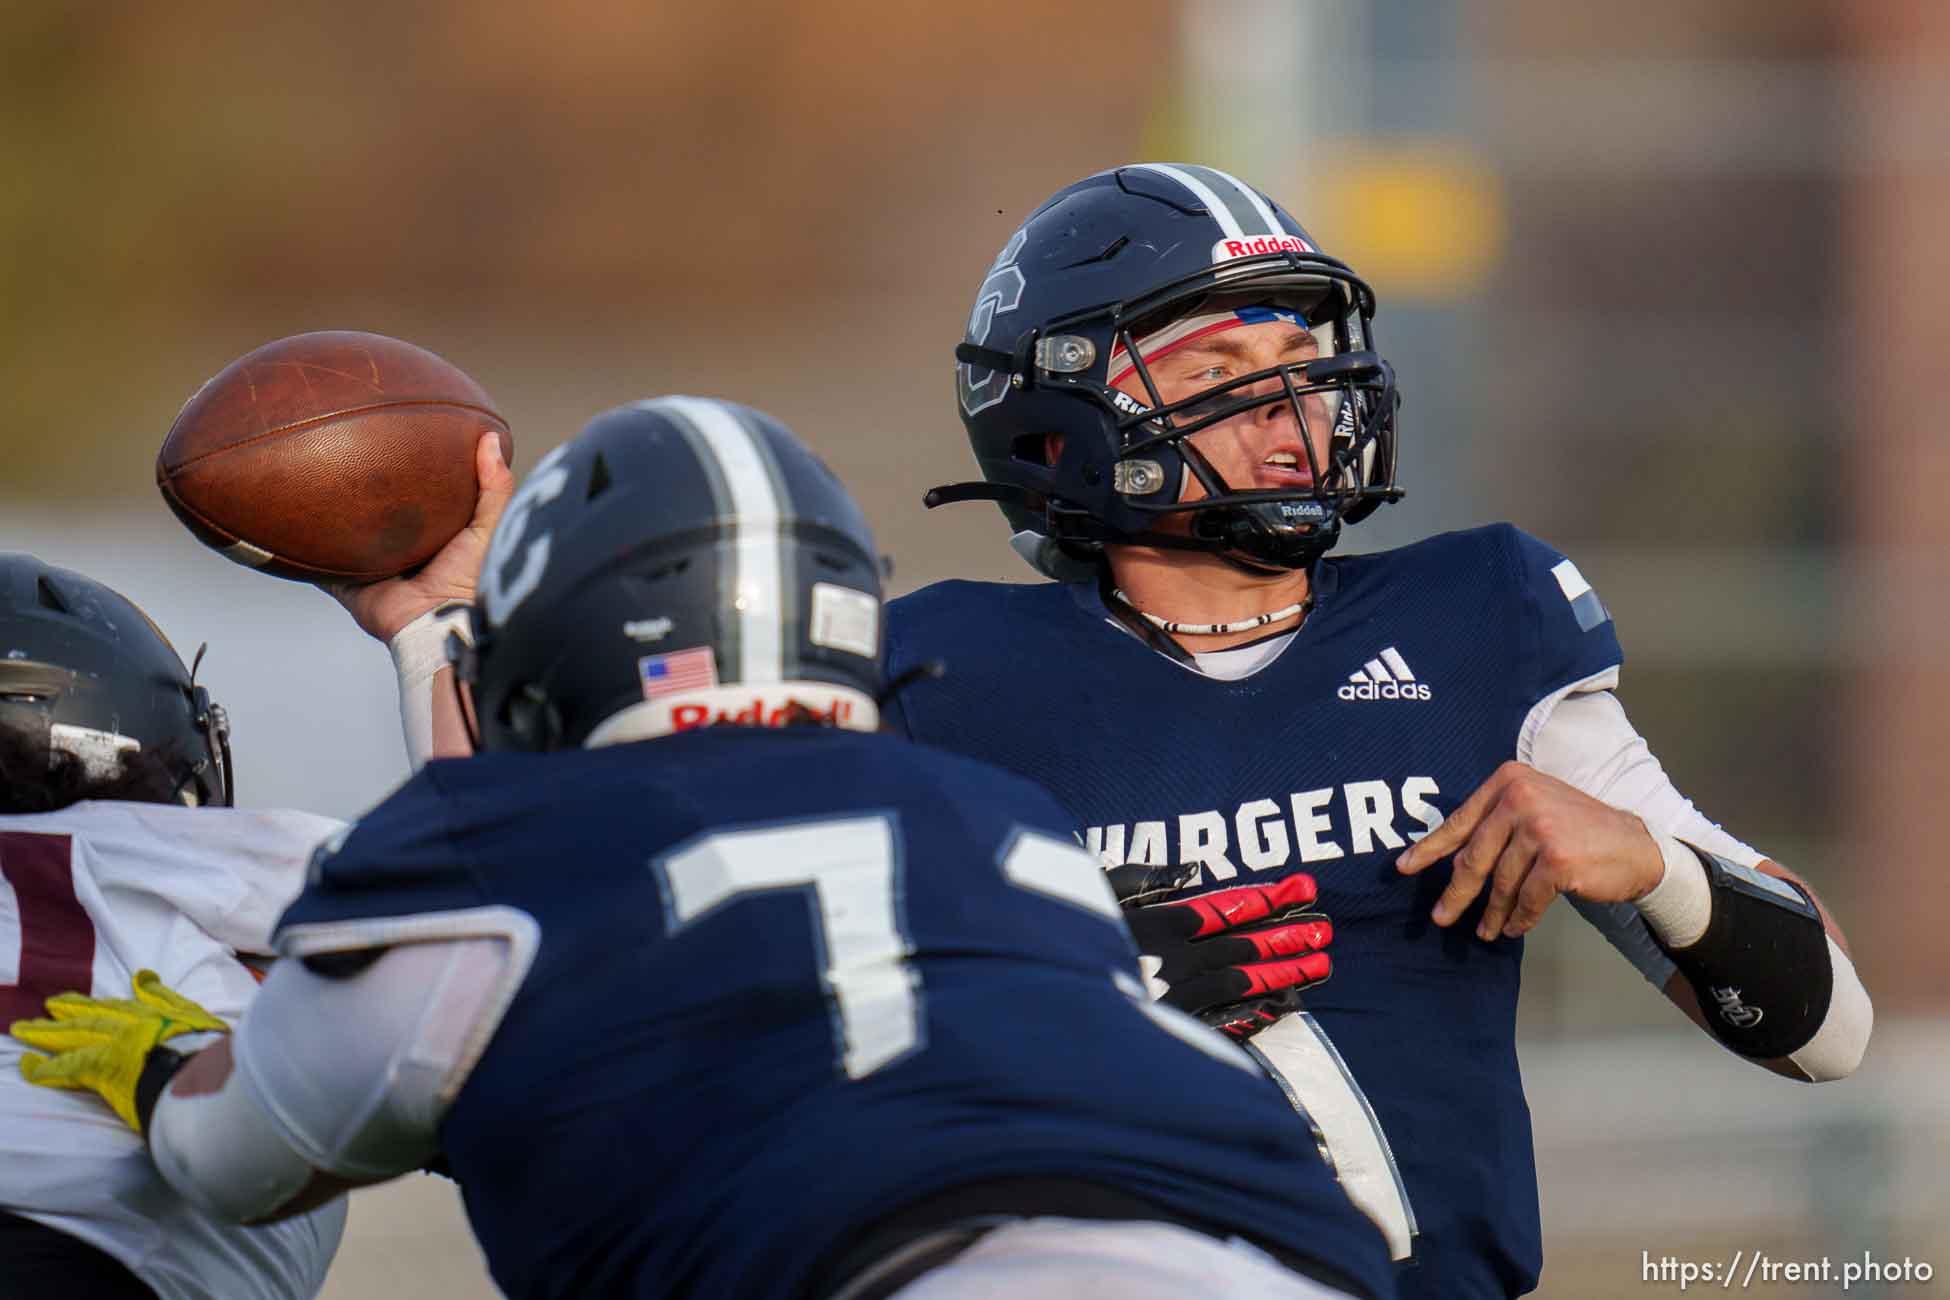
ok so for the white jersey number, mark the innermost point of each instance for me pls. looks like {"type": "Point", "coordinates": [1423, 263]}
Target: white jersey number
{"type": "Point", "coordinates": [850, 874]}
{"type": "Point", "coordinates": [850, 871]}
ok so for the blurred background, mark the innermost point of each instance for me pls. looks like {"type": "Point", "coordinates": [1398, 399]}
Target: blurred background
{"type": "Point", "coordinates": [1663, 282]}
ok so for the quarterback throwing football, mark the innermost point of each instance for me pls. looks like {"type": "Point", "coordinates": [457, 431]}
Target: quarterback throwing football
{"type": "Point", "coordinates": [1177, 400]}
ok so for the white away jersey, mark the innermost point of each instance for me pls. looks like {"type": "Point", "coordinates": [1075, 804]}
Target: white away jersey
{"type": "Point", "coordinates": [88, 896]}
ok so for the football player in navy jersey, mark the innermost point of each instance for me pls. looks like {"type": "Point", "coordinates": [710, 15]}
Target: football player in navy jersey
{"type": "Point", "coordinates": [1177, 401]}
{"type": "Point", "coordinates": [702, 987]}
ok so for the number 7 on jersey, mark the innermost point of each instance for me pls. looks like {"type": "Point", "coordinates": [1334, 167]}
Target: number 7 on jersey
{"type": "Point", "coordinates": [850, 868]}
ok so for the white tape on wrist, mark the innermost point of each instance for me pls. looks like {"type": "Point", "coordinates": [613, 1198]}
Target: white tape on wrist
{"type": "Point", "coordinates": [1837, 1047]}
{"type": "Point", "coordinates": [1679, 907]}
{"type": "Point", "coordinates": [419, 653]}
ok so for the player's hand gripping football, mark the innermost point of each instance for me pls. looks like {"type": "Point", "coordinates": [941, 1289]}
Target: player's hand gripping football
{"type": "Point", "coordinates": [1235, 958]}
{"type": "Point", "coordinates": [382, 608]}
{"type": "Point", "coordinates": [101, 1044]}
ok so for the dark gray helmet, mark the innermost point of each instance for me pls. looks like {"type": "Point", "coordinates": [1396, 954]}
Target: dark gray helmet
{"type": "Point", "coordinates": [685, 561]}
{"type": "Point", "coordinates": [84, 670]}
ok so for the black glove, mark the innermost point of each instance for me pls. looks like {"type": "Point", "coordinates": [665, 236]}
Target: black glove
{"type": "Point", "coordinates": [1235, 958]}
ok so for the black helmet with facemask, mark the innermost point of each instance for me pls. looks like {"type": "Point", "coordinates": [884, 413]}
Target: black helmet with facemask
{"type": "Point", "coordinates": [84, 671]}
{"type": "Point", "coordinates": [1094, 279]}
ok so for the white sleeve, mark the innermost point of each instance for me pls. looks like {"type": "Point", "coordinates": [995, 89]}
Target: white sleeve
{"type": "Point", "coordinates": [419, 653]}
{"type": "Point", "coordinates": [1581, 736]}
{"type": "Point", "coordinates": [347, 1075]}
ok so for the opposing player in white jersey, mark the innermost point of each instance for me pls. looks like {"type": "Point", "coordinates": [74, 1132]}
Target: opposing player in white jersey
{"type": "Point", "coordinates": [112, 864]}
{"type": "Point", "coordinates": [113, 860]}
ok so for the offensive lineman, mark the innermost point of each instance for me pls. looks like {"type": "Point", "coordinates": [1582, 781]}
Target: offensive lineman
{"type": "Point", "coordinates": [773, 1008]}
{"type": "Point", "coordinates": [121, 854]}
{"type": "Point", "coordinates": [1176, 400]}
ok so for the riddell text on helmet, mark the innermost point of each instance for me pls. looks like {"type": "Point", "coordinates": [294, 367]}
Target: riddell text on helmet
{"type": "Point", "coordinates": [1230, 248]}
{"type": "Point", "coordinates": [686, 717]}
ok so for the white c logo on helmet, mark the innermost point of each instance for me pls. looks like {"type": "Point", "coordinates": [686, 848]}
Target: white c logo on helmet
{"type": "Point", "coordinates": [500, 594]}
{"type": "Point", "coordinates": [1001, 291]}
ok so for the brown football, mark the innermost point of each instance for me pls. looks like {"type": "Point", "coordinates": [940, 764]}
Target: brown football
{"type": "Point", "coordinates": [334, 456]}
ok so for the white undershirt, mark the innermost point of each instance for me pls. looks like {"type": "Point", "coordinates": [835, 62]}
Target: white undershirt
{"type": "Point", "coordinates": [1242, 660]}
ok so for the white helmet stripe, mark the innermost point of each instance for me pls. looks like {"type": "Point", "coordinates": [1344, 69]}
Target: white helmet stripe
{"type": "Point", "coordinates": [758, 585]}
{"type": "Point", "coordinates": [1225, 183]}
{"type": "Point", "coordinates": [1221, 212]}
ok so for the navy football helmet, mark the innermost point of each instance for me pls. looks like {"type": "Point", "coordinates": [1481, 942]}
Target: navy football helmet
{"type": "Point", "coordinates": [86, 672]}
{"type": "Point", "coordinates": [680, 562]}
{"type": "Point", "coordinates": [1101, 265]}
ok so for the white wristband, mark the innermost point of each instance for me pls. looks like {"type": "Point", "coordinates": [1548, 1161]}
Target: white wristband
{"type": "Point", "coordinates": [1680, 905]}
{"type": "Point", "coordinates": [1837, 1047]}
{"type": "Point", "coordinates": [419, 653]}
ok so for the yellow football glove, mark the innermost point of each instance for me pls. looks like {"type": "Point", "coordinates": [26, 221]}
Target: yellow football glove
{"type": "Point", "coordinates": [103, 1043]}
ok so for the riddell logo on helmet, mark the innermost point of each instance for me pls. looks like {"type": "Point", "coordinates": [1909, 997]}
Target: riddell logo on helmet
{"type": "Point", "coordinates": [688, 717]}
{"type": "Point", "coordinates": [1230, 248]}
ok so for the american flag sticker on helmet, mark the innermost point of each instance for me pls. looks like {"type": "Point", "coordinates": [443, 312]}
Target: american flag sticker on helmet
{"type": "Point", "coordinates": [680, 670]}
{"type": "Point", "coordinates": [1590, 611]}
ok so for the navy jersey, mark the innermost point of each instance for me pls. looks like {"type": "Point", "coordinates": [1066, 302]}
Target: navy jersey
{"type": "Point", "coordinates": [789, 981]}
{"type": "Point", "coordinates": [1404, 689]}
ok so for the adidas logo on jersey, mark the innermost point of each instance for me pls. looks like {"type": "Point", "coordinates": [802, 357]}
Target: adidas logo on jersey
{"type": "Point", "coordinates": [1384, 677]}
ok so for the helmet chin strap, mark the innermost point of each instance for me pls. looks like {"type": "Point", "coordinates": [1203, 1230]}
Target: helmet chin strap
{"type": "Point", "coordinates": [1262, 546]}
{"type": "Point", "coordinates": [1255, 538]}
{"type": "Point", "coordinates": [1251, 538]}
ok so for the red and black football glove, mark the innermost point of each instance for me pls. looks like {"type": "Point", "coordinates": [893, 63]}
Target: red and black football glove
{"type": "Point", "coordinates": [1236, 958]}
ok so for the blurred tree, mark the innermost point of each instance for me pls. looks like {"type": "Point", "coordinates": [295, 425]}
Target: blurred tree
{"type": "Point", "coordinates": [178, 167]}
